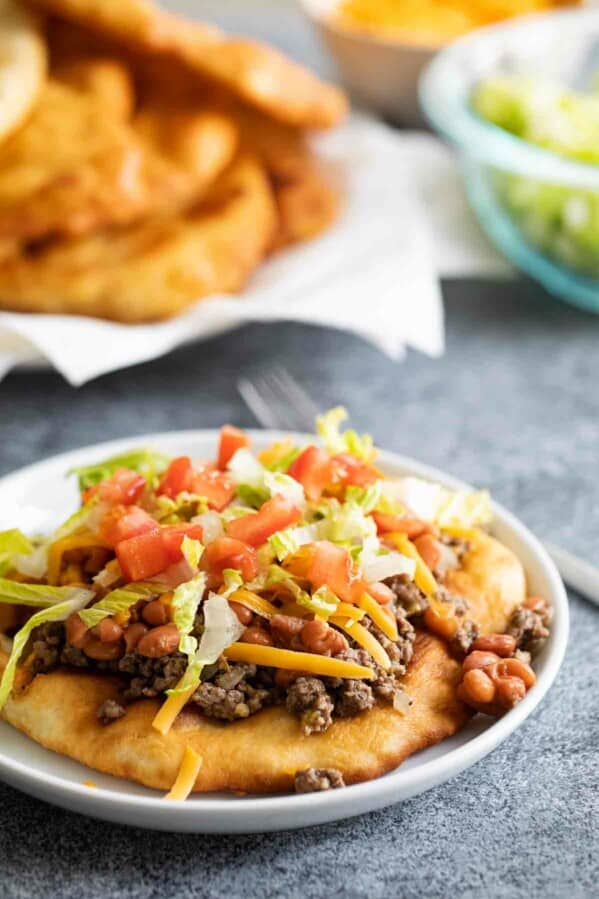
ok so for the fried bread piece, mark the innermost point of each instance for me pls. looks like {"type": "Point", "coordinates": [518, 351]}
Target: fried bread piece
{"type": "Point", "coordinates": [154, 269]}
{"type": "Point", "coordinates": [254, 72]}
{"type": "Point", "coordinates": [261, 754]}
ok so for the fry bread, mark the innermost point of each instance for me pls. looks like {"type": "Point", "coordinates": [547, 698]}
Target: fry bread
{"type": "Point", "coordinates": [22, 65]}
{"type": "Point", "coordinates": [261, 754]}
{"type": "Point", "coordinates": [157, 268]}
{"type": "Point", "coordinates": [78, 165]}
{"type": "Point", "coordinates": [256, 73]}
{"type": "Point", "coordinates": [308, 195]}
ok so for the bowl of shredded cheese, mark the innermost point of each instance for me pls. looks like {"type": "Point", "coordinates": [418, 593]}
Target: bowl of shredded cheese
{"type": "Point", "coordinates": [382, 46]}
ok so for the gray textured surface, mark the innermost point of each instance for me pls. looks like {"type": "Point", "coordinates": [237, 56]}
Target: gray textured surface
{"type": "Point", "coordinates": [513, 404]}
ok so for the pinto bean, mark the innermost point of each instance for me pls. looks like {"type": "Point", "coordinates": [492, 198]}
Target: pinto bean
{"type": "Point", "coordinates": [479, 659]}
{"type": "Point", "coordinates": [319, 637]}
{"type": "Point", "coordinates": [444, 626]}
{"type": "Point", "coordinates": [536, 604]}
{"type": "Point", "coordinates": [501, 644]}
{"type": "Point", "coordinates": [285, 627]}
{"type": "Point", "coordinates": [429, 549]}
{"type": "Point", "coordinates": [133, 635]}
{"type": "Point", "coordinates": [244, 614]}
{"type": "Point", "coordinates": [76, 630]}
{"type": "Point", "coordinates": [158, 642]}
{"type": "Point", "coordinates": [510, 690]}
{"type": "Point", "coordinates": [155, 613]}
{"type": "Point", "coordinates": [256, 635]}
{"type": "Point", "coordinates": [103, 652]}
{"type": "Point", "coordinates": [108, 630]}
{"type": "Point", "coordinates": [478, 686]}
{"type": "Point", "coordinates": [517, 668]}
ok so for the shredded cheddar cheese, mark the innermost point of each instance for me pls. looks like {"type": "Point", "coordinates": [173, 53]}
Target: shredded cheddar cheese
{"type": "Point", "coordinates": [378, 614]}
{"type": "Point", "coordinates": [273, 657]}
{"type": "Point", "coordinates": [461, 533]}
{"type": "Point", "coordinates": [186, 778]}
{"type": "Point", "coordinates": [170, 708]}
{"type": "Point", "coordinates": [349, 611]}
{"type": "Point", "coordinates": [359, 633]}
{"type": "Point", "coordinates": [256, 603]}
{"type": "Point", "coordinates": [60, 547]}
{"type": "Point", "coordinates": [423, 576]}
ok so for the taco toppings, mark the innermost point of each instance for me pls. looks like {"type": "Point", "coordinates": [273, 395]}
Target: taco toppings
{"type": "Point", "coordinates": [294, 578]}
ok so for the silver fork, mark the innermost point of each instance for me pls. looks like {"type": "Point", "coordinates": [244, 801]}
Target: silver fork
{"type": "Point", "coordinates": [278, 401]}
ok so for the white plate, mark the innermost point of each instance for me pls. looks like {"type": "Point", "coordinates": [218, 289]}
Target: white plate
{"type": "Point", "coordinates": [48, 776]}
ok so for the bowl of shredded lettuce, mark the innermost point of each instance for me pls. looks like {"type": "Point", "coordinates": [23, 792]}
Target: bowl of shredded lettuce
{"type": "Point", "coordinates": [520, 101]}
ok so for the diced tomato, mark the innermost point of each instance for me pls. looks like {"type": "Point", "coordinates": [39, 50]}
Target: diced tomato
{"type": "Point", "coordinates": [123, 488]}
{"type": "Point", "coordinates": [403, 524]}
{"type": "Point", "coordinates": [173, 538]}
{"type": "Point", "coordinates": [215, 486]}
{"type": "Point", "coordinates": [143, 556]}
{"type": "Point", "coordinates": [352, 472]}
{"type": "Point", "coordinates": [277, 513]}
{"type": "Point", "coordinates": [313, 470]}
{"type": "Point", "coordinates": [231, 439]}
{"type": "Point", "coordinates": [122, 522]}
{"type": "Point", "coordinates": [177, 478]}
{"type": "Point", "coordinates": [331, 565]}
{"type": "Point", "coordinates": [229, 553]}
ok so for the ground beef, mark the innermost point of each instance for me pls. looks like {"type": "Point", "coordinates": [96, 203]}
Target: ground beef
{"type": "Point", "coordinates": [47, 644]}
{"type": "Point", "coordinates": [529, 628]}
{"type": "Point", "coordinates": [313, 780]}
{"type": "Point", "coordinates": [234, 693]}
{"type": "Point", "coordinates": [459, 603]}
{"type": "Point", "coordinates": [74, 657]}
{"type": "Point", "coordinates": [464, 637]}
{"type": "Point", "coordinates": [401, 651]}
{"type": "Point", "coordinates": [308, 698]}
{"type": "Point", "coordinates": [149, 677]}
{"type": "Point", "coordinates": [353, 697]}
{"type": "Point", "coordinates": [410, 600]}
{"type": "Point", "coordinates": [110, 710]}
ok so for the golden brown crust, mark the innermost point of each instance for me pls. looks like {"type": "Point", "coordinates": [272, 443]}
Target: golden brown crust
{"type": "Point", "coordinates": [157, 268]}
{"type": "Point", "coordinates": [258, 74]}
{"type": "Point", "coordinates": [261, 754]}
{"type": "Point", "coordinates": [492, 580]}
{"type": "Point", "coordinates": [257, 755]}
{"type": "Point", "coordinates": [80, 163]}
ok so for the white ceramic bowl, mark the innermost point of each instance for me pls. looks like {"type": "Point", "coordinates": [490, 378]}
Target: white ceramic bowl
{"type": "Point", "coordinates": [56, 779]}
{"type": "Point", "coordinates": [380, 74]}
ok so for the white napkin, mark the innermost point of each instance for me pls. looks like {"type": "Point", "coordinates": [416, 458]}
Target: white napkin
{"type": "Point", "coordinates": [371, 273]}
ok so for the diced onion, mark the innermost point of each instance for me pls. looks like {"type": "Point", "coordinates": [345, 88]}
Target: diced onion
{"type": "Point", "coordinates": [212, 526]}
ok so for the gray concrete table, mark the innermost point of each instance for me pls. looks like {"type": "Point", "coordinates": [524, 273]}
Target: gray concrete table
{"type": "Point", "coordinates": [514, 404]}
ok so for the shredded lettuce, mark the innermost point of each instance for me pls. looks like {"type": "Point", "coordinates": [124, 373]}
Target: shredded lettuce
{"type": "Point", "coordinates": [284, 543]}
{"type": "Point", "coordinates": [184, 604]}
{"type": "Point", "coordinates": [145, 461]}
{"type": "Point", "coordinates": [379, 566]}
{"type": "Point", "coordinates": [282, 463]}
{"type": "Point", "coordinates": [446, 508]}
{"type": "Point", "coordinates": [221, 628]}
{"type": "Point", "coordinates": [322, 602]}
{"type": "Point", "coordinates": [345, 522]}
{"type": "Point", "coordinates": [13, 543]}
{"type": "Point", "coordinates": [40, 595]}
{"type": "Point", "coordinates": [366, 498]}
{"type": "Point", "coordinates": [115, 602]}
{"type": "Point", "coordinates": [192, 551]}
{"type": "Point", "coordinates": [235, 511]}
{"type": "Point", "coordinates": [58, 612]}
{"type": "Point", "coordinates": [185, 507]}
{"type": "Point", "coordinates": [328, 427]}
{"type": "Point", "coordinates": [232, 582]}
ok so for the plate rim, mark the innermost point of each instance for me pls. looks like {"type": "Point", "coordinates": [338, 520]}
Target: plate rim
{"type": "Point", "coordinates": [259, 814]}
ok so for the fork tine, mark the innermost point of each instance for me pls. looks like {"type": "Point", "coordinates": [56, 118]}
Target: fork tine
{"type": "Point", "coordinates": [277, 400]}
{"type": "Point", "coordinates": [256, 403]}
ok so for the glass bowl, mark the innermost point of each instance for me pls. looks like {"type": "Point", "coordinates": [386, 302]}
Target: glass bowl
{"type": "Point", "coordinates": [534, 205]}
